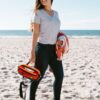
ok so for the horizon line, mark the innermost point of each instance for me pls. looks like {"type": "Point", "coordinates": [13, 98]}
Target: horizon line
{"type": "Point", "coordinates": [60, 29]}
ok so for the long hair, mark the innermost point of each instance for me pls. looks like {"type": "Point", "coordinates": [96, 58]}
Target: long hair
{"type": "Point", "coordinates": [38, 5]}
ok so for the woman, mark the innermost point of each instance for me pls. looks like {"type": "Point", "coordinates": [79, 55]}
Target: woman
{"type": "Point", "coordinates": [46, 25]}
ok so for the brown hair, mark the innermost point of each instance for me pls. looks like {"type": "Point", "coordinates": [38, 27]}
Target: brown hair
{"type": "Point", "coordinates": [38, 5]}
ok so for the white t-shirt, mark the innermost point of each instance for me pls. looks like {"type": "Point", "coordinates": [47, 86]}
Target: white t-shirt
{"type": "Point", "coordinates": [49, 26]}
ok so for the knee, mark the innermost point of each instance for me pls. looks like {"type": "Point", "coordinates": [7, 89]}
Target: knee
{"type": "Point", "coordinates": [36, 82]}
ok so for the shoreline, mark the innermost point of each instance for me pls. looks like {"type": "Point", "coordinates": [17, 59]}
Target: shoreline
{"type": "Point", "coordinates": [88, 37]}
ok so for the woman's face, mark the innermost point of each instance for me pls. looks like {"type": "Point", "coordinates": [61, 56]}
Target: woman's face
{"type": "Point", "coordinates": [46, 2]}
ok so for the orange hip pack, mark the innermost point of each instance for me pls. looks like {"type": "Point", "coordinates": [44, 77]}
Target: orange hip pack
{"type": "Point", "coordinates": [29, 72]}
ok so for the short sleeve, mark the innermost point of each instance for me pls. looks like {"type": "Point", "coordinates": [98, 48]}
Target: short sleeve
{"type": "Point", "coordinates": [36, 17]}
{"type": "Point", "coordinates": [57, 14]}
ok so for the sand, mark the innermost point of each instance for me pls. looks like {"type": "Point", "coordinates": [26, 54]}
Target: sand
{"type": "Point", "coordinates": [81, 70]}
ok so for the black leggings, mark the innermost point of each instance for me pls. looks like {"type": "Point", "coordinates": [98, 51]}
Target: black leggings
{"type": "Point", "coordinates": [46, 55]}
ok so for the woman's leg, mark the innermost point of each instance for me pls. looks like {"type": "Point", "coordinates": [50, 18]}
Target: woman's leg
{"type": "Point", "coordinates": [57, 69]}
{"type": "Point", "coordinates": [41, 64]}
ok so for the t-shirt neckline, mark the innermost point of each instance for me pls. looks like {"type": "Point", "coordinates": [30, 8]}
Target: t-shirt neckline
{"type": "Point", "coordinates": [48, 14]}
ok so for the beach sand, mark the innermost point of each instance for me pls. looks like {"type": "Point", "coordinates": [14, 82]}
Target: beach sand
{"type": "Point", "coordinates": [81, 70]}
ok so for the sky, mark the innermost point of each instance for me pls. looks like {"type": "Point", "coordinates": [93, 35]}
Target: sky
{"type": "Point", "coordinates": [74, 14]}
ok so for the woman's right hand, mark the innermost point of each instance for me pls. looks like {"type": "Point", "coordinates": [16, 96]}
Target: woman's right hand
{"type": "Point", "coordinates": [32, 58]}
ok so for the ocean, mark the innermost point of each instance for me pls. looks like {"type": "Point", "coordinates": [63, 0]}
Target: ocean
{"type": "Point", "coordinates": [71, 33]}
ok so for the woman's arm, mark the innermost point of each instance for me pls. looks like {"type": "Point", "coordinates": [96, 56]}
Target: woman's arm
{"type": "Point", "coordinates": [35, 35]}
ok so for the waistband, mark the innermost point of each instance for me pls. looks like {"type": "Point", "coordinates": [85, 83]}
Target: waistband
{"type": "Point", "coordinates": [46, 44]}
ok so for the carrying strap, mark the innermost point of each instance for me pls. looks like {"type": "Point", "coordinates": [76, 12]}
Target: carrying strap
{"type": "Point", "coordinates": [20, 89]}
{"type": "Point", "coordinates": [21, 85]}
